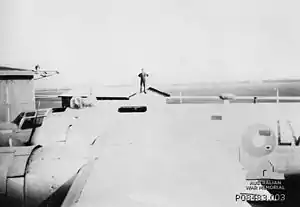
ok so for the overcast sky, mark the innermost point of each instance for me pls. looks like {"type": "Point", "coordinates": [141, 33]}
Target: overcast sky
{"type": "Point", "coordinates": [176, 41]}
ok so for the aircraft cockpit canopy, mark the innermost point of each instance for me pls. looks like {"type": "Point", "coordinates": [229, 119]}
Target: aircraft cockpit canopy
{"type": "Point", "coordinates": [30, 119]}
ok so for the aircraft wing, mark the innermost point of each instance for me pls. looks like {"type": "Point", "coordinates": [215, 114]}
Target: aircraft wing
{"type": "Point", "coordinates": [194, 99]}
{"type": "Point", "coordinates": [237, 99]}
{"type": "Point", "coordinates": [266, 99]}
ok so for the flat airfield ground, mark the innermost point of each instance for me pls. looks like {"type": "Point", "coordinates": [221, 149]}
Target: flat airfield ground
{"type": "Point", "coordinates": [171, 155]}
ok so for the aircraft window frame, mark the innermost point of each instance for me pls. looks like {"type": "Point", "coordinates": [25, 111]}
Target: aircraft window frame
{"type": "Point", "coordinates": [30, 114]}
{"type": "Point", "coordinates": [30, 125]}
{"type": "Point", "coordinates": [42, 112]}
{"type": "Point", "coordinates": [18, 119]}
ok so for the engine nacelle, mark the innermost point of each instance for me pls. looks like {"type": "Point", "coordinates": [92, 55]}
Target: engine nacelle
{"type": "Point", "coordinates": [41, 176]}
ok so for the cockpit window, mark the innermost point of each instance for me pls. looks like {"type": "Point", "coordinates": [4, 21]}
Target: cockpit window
{"type": "Point", "coordinates": [30, 123]}
{"type": "Point", "coordinates": [18, 119]}
{"type": "Point", "coordinates": [28, 114]}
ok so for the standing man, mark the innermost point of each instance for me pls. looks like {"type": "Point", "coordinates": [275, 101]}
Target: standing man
{"type": "Point", "coordinates": [255, 100]}
{"type": "Point", "coordinates": [37, 68]}
{"type": "Point", "coordinates": [143, 76]}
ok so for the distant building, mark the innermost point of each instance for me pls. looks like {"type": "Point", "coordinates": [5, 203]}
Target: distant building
{"type": "Point", "coordinates": [16, 92]}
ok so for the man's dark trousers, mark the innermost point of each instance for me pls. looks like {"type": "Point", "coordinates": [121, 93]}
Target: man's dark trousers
{"type": "Point", "coordinates": [142, 85]}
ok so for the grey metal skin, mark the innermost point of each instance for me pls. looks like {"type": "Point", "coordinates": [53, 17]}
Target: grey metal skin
{"type": "Point", "coordinates": [8, 131]}
{"type": "Point", "coordinates": [42, 176]}
{"type": "Point", "coordinates": [271, 160]}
